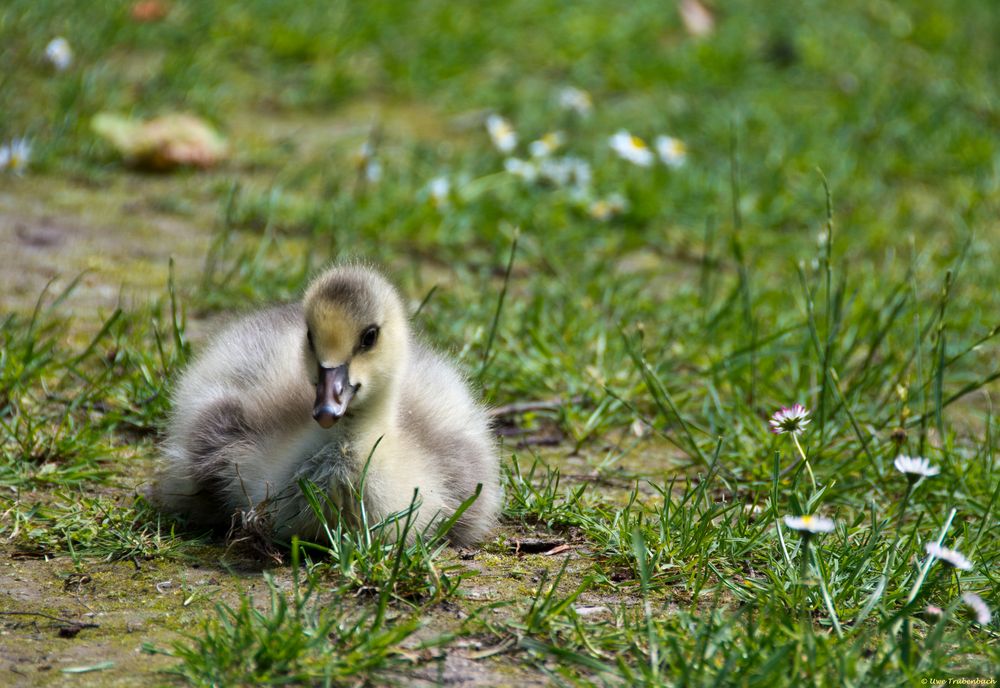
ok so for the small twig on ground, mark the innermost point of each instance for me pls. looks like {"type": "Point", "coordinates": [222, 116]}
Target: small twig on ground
{"type": "Point", "coordinates": [541, 441]}
{"type": "Point", "coordinates": [521, 407]}
{"type": "Point", "coordinates": [536, 546]}
{"type": "Point", "coordinates": [66, 622]}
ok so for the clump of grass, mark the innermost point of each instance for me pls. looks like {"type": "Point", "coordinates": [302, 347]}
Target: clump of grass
{"type": "Point", "coordinates": [535, 496]}
{"type": "Point", "coordinates": [61, 405]}
{"type": "Point", "coordinates": [296, 639]}
{"type": "Point", "coordinates": [92, 527]}
{"type": "Point", "coordinates": [392, 557]}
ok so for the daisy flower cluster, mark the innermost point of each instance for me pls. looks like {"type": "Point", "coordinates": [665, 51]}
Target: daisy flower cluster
{"type": "Point", "coordinates": [793, 420]}
{"type": "Point", "coordinates": [544, 162]}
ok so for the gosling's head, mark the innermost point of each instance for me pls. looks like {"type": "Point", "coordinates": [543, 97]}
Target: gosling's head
{"type": "Point", "coordinates": [356, 339]}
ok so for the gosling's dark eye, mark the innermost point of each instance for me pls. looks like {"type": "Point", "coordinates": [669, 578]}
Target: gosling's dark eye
{"type": "Point", "coordinates": [368, 337]}
{"type": "Point", "coordinates": [309, 339]}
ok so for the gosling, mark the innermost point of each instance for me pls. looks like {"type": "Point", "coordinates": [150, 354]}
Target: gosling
{"type": "Point", "coordinates": [335, 390]}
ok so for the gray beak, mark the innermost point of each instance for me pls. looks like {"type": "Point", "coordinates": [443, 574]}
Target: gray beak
{"type": "Point", "coordinates": [333, 393]}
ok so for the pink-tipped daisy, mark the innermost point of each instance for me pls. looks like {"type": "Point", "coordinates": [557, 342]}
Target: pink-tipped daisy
{"type": "Point", "coordinates": [914, 467]}
{"type": "Point", "coordinates": [793, 420]}
{"type": "Point", "coordinates": [809, 524]}
{"type": "Point", "coordinates": [952, 557]}
{"type": "Point", "coordinates": [978, 607]}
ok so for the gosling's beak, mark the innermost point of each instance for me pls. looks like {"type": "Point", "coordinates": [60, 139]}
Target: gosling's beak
{"type": "Point", "coordinates": [333, 393]}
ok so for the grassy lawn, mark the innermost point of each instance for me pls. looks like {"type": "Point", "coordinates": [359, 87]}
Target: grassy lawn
{"type": "Point", "coordinates": [826, 233]}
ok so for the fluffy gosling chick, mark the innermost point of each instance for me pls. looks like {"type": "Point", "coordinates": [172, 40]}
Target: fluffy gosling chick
{"type": "Point", "coordinates": [328, 390]}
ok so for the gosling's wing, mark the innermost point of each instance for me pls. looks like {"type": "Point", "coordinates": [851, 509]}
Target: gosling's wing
{"type": "Point", "coordinates": [254, 360]}
{"type": "Point", "coordinates": [247, 385]}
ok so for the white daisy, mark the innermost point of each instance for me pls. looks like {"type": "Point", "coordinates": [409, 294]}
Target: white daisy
{"type": "Point", "coordinates": [576, 100]}
{"type": "Point", "coordinates": [672, 151]}
{"type": "Point", "coordinates": [565, 171]}
{"type": "Point", "coordinates": [978, 607]}
{"type": "Point", "coordinates": [502, 133]}
{"type": "Point", "coordinates": [547, 145]}
{"type": "Point", "coordinates": [915, 467]}
{"type": "Point", "coordinates": [368, 164]}
{"type": "Point", "coordinates": [4, 157]}
{"type": "Point", "coordinates": [525, 169]}
{"type": "Point", "coordinates": [793, 420]}
{"type": "Point", "coordinates": [631, 148]}
{"type": "Point", "coordinates": [18, 155]}
{"type": "Point", "coordinates": [580, 172]}
{"type": "Point", "coordinates": [952, 557]}
{"type": "Point", "coordinates": [59, 54]}
{"type": "Point", "coordinates": [439, 189]}
{"type": "Point", "coordinates": [809, 524]}
{"type": "Point", "coordinates": [373, 171]}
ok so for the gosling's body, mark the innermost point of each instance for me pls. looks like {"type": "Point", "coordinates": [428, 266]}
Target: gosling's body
{"type": "Point", "coordinates": [246, 427]}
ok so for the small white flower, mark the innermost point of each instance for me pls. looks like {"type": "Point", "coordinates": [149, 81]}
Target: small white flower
{"type": "Point", "coordinates": [809, 524]}
{"type": "Point", "coordinates": [368, 164]}
{"type": "Point", "coordinates": [580, 172]}
{"type": "Point", "coordinates": [603, 209]}
{"type": "Point", "coordinates": [373, 171]}
{"type": "Point", "coordinates": [525, 169]}
{"type": "Point", "coordinates": [559, 171]}
{"type": "Point", "coordinates": [16, 155]}
{"type": "Point", "coordinates": [59, 54]}
{"type": "Point", "coordinates": [576, 100]}
{"type": "Point", "coordinates": [565, 171]}
{"type": "Point", "coordinates": [631, 148]}
{"type": "Point", "coordinates": [440, 191]}
{"type": "Point", "coordinates": [978, 607]}
{"type": "Point", "coordinates": [502, 133]}
{"type": "Point", "coordinates": [915, 467]}
{"type": "Point", "coordinates": [952, 557]}
{"type": "Point", "coordinates": [672, 151]}
{"type": "Point", "coordinates": [793, 420]}
{"type": "Point", "coordinates": [547, 145]}
{"type": "Point", "coordinates": [639, 427]}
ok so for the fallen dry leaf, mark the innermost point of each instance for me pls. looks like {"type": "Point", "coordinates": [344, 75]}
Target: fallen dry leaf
{"type": "Point", "coordinates": [149, 10]}
{"type": "Point", "coordinates": [697, 19]}
{"type": "Point", "coordinates": [163, 143]}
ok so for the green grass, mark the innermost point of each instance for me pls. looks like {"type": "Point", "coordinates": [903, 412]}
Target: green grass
{"type": "Point", "coordinates": [829, 241]}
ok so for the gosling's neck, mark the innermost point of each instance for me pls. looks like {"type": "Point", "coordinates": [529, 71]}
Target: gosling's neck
{"type": "Point", "coordinates": [378, 421]}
